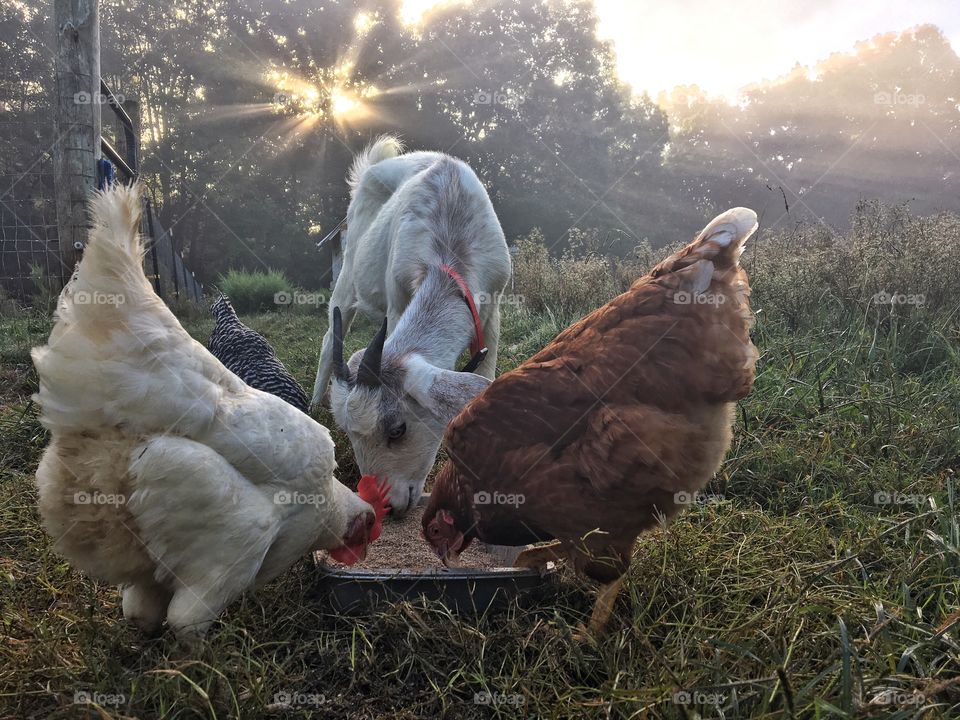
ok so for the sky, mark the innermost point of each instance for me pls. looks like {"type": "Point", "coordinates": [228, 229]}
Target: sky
{"type": "Point", "coordinates": [723, 45]}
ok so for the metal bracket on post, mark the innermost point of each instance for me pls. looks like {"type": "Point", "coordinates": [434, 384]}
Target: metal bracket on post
{"type": "Point", "coordinates": [335, 239]}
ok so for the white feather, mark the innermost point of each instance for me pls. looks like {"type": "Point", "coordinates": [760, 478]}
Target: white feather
{"type": "Point", "coordinates": [138, 408]}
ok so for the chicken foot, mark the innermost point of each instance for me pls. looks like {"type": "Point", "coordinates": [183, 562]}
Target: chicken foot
{"type": "Point", "coordinates": [537, 557]}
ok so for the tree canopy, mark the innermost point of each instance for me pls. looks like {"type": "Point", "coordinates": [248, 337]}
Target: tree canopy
{"type": "Point", "coordinates": [251, 112]}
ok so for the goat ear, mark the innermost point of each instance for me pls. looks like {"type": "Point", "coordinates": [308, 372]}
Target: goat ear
{"type": "Point", "coordinates": [444, 393]}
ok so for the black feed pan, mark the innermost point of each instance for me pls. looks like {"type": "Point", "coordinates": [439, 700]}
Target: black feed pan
{"type": "Point", "coordinates": [463, 590]}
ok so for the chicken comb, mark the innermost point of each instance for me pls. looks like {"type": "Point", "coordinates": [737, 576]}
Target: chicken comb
{"type": "Point", "coordinates": [375, 493]}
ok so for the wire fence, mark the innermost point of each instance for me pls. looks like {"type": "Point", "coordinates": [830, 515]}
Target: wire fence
{"type": "Point", "coordinates": [31, 260]}
{"type": "Point", "coordinates": [29, 254]}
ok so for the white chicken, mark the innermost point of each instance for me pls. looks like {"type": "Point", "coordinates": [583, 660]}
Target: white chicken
{"type": "Point", "coordinates": [166, 474]}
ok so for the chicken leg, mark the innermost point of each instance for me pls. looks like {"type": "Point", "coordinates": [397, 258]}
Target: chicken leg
{"type": "Point", "coordinates": [145, 604]}
{"type": "Point", "coordinates": [602, 612]}
{"type": "Point", "coordinates": [603, 607]}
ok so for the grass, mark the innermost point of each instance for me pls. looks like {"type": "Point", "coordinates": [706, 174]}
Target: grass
{"type": "Point", "coordinates": [256, 291]}
{"type": "Point", "coordinates": [819, 578]}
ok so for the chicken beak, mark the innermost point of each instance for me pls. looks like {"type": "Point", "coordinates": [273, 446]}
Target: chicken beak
{"type": "Point", "coordinates": [446, 555]}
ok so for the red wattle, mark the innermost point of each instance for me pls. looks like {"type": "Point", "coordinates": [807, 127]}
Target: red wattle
{"type": "Point", "coordinates": [348, 555]}
{"type": "Point", "coordinates": [375, 494]}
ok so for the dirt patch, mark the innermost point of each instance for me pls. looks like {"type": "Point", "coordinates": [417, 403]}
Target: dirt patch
{"type": "Point", "coordinates": [401, 546]}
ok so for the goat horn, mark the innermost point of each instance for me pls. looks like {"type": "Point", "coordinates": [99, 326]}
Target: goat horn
{"type": "Point", "coordinates": [475, 361]}
{"type": "Point", "coordinates": [340, 371]}
{"type": "Point", "coordinates": [369, 372]}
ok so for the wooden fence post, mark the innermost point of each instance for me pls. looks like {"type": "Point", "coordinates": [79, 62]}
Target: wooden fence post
{"type": "Point", "coordinates": [77, 118]}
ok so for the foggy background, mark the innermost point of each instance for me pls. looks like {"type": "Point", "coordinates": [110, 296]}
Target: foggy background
{"type": "Point", "coordinates": [251, 111]}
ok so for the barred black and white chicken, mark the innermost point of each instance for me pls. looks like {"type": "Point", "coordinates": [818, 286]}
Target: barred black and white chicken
{"type": "Point", "coordinates": [248, 355]}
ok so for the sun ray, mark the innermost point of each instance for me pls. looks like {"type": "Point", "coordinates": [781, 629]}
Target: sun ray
{"type": "Point", "coordinates": [415, 12]}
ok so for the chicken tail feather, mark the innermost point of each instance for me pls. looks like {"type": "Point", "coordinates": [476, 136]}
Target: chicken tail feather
{"type": "Point", "coordinates": [111, 273]}
{"type": "Point", "coordinates": [723, 240]}
{"type": "Point", "coordinates": [116, 347]}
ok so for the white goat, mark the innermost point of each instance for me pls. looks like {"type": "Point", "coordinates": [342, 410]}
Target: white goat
{"type": "Point", "coordinates": [420, 230]}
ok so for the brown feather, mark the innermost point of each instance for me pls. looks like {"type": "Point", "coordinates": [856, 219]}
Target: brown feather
{"type": "Point", "coordinates": [623, 410]}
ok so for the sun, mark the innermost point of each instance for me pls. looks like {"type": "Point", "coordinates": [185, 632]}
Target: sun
{"type": "Point", "coordinates": [363, 21]}
{"type": "Point", "coordinates": [343, 102]}
{"type": "Point", "coordinates": [337, 97]}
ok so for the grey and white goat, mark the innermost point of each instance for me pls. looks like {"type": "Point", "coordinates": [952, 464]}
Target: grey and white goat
{"type": "Point", "coordinates": [422, 237]}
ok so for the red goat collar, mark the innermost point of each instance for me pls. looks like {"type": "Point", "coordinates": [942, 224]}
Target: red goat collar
{"type": "Point", "coordinates": [477, 345]}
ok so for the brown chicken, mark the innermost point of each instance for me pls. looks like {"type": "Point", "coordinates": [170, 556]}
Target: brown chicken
{"type": "Point", "coordinates": [615, 424]}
